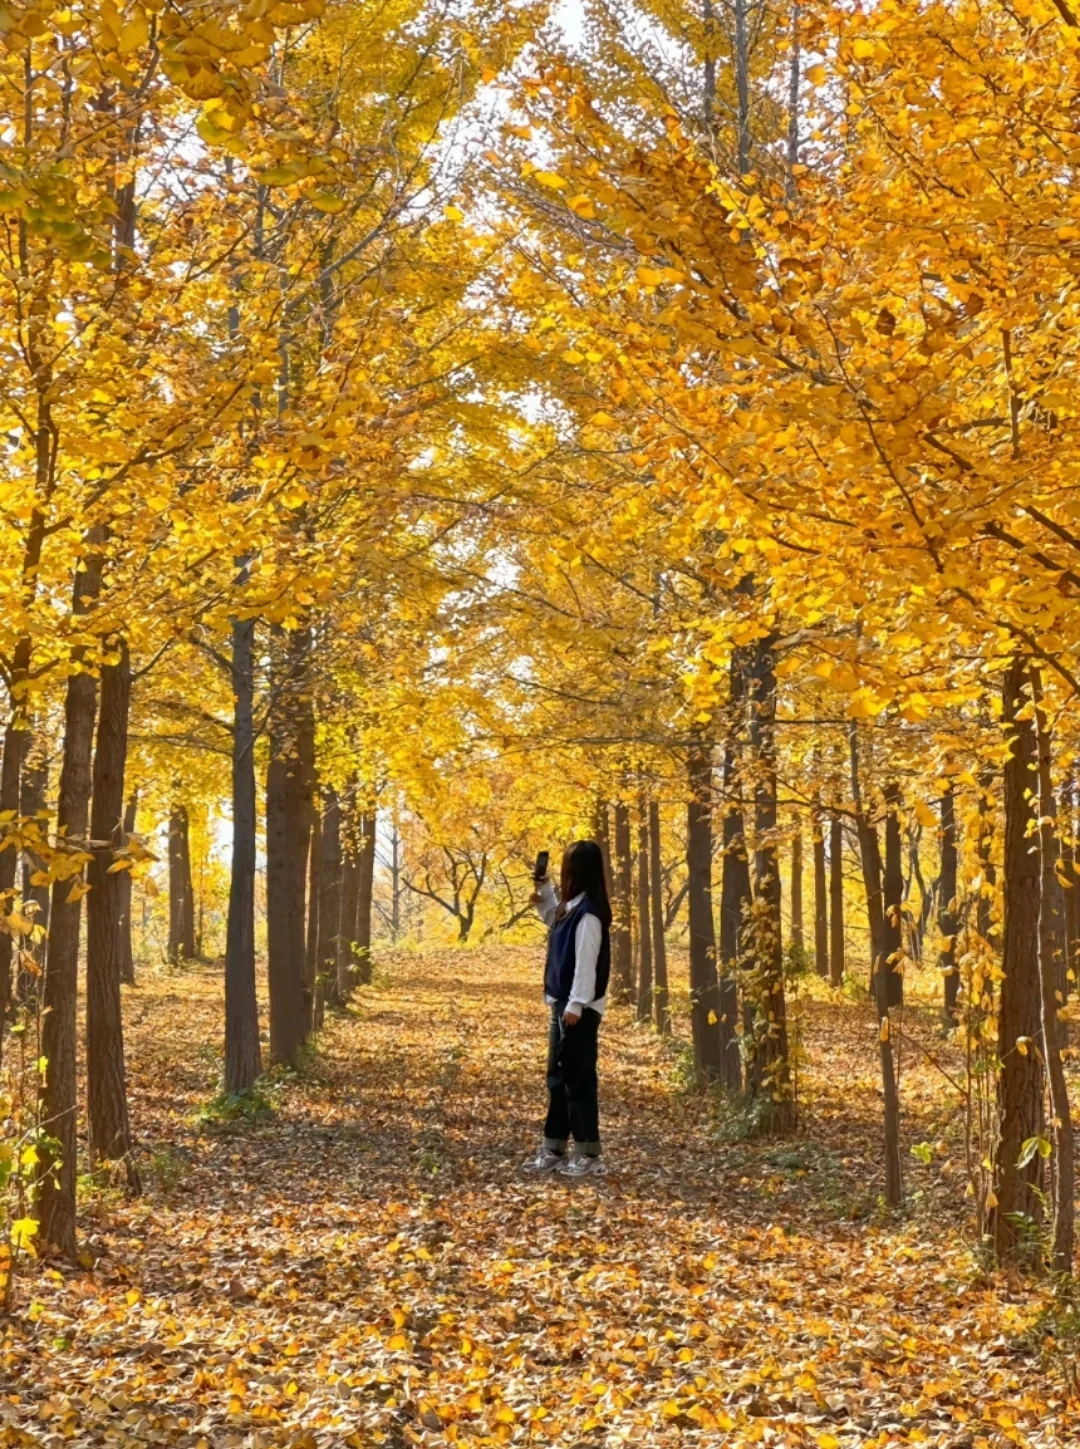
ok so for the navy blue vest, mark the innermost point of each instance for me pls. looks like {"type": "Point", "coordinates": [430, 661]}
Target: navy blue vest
{"type": "Point", "coordinates": [562, 956]}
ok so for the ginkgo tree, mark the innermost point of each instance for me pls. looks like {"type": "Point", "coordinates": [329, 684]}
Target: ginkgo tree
{"type": "Point", "coordinates": [663, 430]}
{"type": "Point", "coordinates": [856, 424]}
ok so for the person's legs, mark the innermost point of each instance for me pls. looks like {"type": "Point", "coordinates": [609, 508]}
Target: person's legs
{"type": "Point", "coordinates": [581, 1088]}
{"type": "Point", "coordinates": [557, 1123]}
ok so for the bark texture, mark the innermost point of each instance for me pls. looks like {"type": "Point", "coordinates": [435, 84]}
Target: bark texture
{"type": "Point", "coordinates": [1015, 1216]}
{"type": "Point", "coordinates": [821, 899]}
{"type": "Point", "coordinates": [288, 833]}
{"type": "Point", "coordinates": [312, 983]}
{"type": "Point", "coordinates": [948, 924]}
{"type": "Point", "coordinates": [797, 941]}
{"type": "Point", "coordinates": [984, 923]}
{"type": "Point", "coordinates": [645, 943]}
{"type": "Point", "coordinates": [59, 1089]}
{"type": "Point", "coordinates": [622, 954]}
{"type": "Point", "coordinates": [704, 997]}
{"type": "Point", "coordinates": [1052, 1001]}
{"type": "Point", "coordinates": [661, 1007]}
{"type": "Point", "coordinates": [330, 899]}
{"type": "Point", "coordinates": [243, 1057]}
{"type": "Point", "coordinates": [181, 891]}
{"type": "Point", "coordinates": [106, 1082]}
{"type": "Point", "coordinates": [874, 882]}
{"type": "Point", "coordinates": [127, 954]}
{"type": "Point", "coordinates": [770, 1044]}
{"type": "Point", "coordinates": [836, 901]}
{"type": "Point", "coordinates": [893, 889]}
{"type": "Point", "coordinates": [365, 895]}
{"type": "Point", "coordinates": [735, 905]}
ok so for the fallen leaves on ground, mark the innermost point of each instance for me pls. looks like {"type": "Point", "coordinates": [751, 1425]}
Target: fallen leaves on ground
{"type": "Point", "coordinates": [366, 1265]}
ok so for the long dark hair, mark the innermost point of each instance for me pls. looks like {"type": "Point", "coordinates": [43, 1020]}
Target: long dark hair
{"type": "Point", "coordinates": [583, 874]}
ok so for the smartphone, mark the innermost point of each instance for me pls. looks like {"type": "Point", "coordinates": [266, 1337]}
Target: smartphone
{"type": "Point", "coordinates": [540, 868]}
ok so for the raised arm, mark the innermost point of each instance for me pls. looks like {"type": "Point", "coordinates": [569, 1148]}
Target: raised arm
{"type": "Point", "coordinates": [547, 902]}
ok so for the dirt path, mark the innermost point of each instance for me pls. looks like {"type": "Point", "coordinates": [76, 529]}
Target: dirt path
{"type": "Point", "coordinates": [367, 1265]}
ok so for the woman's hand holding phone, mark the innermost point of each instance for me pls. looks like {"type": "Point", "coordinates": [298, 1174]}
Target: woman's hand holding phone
{"type": "Point", "coordinates": [540, 875]}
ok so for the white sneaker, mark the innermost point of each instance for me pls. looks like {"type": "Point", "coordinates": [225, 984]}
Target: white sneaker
{"type": "Point", "coordinates": [582, 1166]}
{"type": "Point", "coordinates": [544, 1161]}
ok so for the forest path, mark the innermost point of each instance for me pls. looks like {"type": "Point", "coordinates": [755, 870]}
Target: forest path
{"type": "Point", "coordinates": [367, 1265]}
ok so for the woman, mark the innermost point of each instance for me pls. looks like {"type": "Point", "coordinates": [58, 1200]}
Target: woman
{"type": "Point", "coordinates": [575, 988]}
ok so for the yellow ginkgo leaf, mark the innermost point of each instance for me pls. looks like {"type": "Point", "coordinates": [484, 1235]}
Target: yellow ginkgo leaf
{"type": "Point", "coordinates": [925, 815]}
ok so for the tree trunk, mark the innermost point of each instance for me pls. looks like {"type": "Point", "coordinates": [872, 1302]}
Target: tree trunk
{"type": "Point", "coordinates": [181, 902]}
{"type": "Point", "coordinates": [602, 832]}
{"type": "Point", "coordinates": [106, 1085]}
{"type": "Point", "coordinates": [948, 923]}
{"type": "Point", "coordinates": [127, 954]}
{"type": "Point", "coordinates": [395, 883]}
{"type": "Point", "coordinates": [709, 88]}
{"type": "Point", "coordinates": [872, 872]}
{"type": "Point", "coordinates": [916, 925]}
{"type": "Point", "coordinates": [313, 984]}
{"type": "Point", "coordinates": [894, 1182]}
{"type": "Point", "coordinates": [645, 951]}
{"type": "Point", "coordinates": [770, 1044]}
{"type": "Point", "coordinates": [330, 900]}
{"type": "Point", "coordinates": [1020, 1084]}
{"type": "Point", "coordinates": [243, 1059]}
{"type": "Point", "coordinates": [347, 972]}
{"type": "Point", "coordinates": [188, 944]}
{"type": "Point", "coordinates": [704, 995]}
{"type": "Point", "coordinates": [742, 82]}
{"type": "Point", "coordinates": [1070, 890]}
{"type": "Point", "coordinates": [1052, 1000]}
{"type": "Point", "coordinates": [821, 898]}
{"type": "Point", "coordinates": [893, 886]}
{"type": "Point", "coordinates": [351, 844]}
{"type": "Point", "coordinates": [794, 81]}
{"type": "Point", "coordinates": [836, 900]}
{"type": "Point", "coordinates": [365, 894]}
{"type": "Point", "coordinates": [59, 1089]}
{"type": "Point", "coordinates": [661, 1006]}
{"type": "Point", "coordinates": [622, 957]}
{"type": "Point", "coordinates": [288, 833]}
{"type": "Point", "coordinates": [1052, 931]}
{"type": "Point", "coordinates": [465, 922]}
{"type": "Point", "coordinates": [873, 880]}
{"type": "Point", "coordinates": [735, 904]}
{"type": "Point", "coordinates": [797, 942]}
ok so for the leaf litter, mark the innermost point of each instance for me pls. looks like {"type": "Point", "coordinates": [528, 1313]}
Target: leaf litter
{"type": "Point", "coordinates": [365, 1264]}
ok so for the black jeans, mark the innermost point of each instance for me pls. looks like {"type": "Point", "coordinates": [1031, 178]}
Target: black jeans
{"type": "Point", "coordinates": [573, 1103]}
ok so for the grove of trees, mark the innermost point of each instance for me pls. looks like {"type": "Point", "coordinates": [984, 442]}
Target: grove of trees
{"type": "Point", "coordinates": [436, 431]}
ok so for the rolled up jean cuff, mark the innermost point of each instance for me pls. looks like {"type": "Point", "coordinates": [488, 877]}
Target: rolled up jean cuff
{"type": "Point", "coordinates": [555, 1144]}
